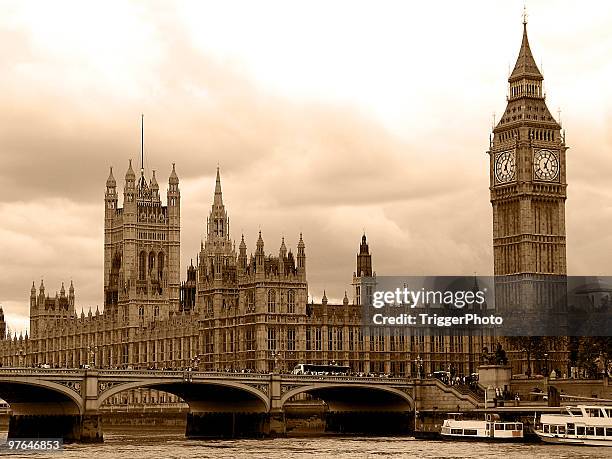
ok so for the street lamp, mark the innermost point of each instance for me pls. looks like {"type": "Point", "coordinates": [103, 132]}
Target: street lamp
{"type": "Point", "coordinates": [546, 364]}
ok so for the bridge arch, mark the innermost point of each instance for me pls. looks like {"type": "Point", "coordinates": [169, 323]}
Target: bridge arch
{"type": "Point", "coordinates": [36, 396]}
{"type": "Point", "coordinates": [223, 396]}
{"type": "Point", "coordinates": [356, 396]}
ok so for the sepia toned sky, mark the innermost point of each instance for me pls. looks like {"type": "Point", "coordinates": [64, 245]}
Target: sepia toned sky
{"type": "Point", "coordinates": [327, 118]}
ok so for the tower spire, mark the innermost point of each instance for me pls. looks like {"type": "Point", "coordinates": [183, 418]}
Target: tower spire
{"type": "Point", "coordinates": [218, 200]}
{"type": "Point", "coordinates": [142, 143]}
{"type": "Point", "coordinates": [525, 66]}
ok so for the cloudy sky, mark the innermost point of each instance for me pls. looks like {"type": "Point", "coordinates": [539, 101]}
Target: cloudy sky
{"type": "Point", "coordinates": [326, 118]}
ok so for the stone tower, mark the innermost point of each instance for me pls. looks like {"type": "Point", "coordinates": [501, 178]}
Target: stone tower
{"type": "Point", "coordinates": [141, 249]}
{"type": "Point", "coordinates": [217, 259]}
{"type": "Point", "coordinates": [46, 310]}
{"type": "Point", "coordinates": [364, 280]}
{"type": "Point", "coordinates": [528, 191]}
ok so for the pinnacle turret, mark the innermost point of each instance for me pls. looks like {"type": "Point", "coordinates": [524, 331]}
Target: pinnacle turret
{"type": "Point", "coordinates": [110, 181]}
{"type": "Point", "coordinates": [173, 180]}
{"type": "Point", "coordinates": [154, 184]}
{"type": "Point", "coordinates": [129, 175]}
{"type": "Point", "coordinates": [260, 244]}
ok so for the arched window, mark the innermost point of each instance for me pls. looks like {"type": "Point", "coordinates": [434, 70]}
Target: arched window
{"type": "Point", "coordinates": [271, 301]}
{"type": "Point", "coordinates": [156, 312]}
{"type": "Point", "coordinates": [160, 265]}
{"type": "Point", "coordinates": [141, 312]}
{"type": "Point", "coordinates": [141, 266]}
{"type": "Point", "coordinates": [291, 301]}
{"type": "Point", "coordinates": [151, 262]}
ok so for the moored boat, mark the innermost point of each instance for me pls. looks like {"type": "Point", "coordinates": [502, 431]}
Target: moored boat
{"type": "Point", "coordinates": [588, 425]}
{"type": "Point", "coordinates": [489, 429]}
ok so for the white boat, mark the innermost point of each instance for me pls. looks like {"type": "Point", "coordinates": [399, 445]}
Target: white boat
{"type": "Point", "coordinates": [489, 429]}
{"type": "Point", "coordinates": [581, 425]}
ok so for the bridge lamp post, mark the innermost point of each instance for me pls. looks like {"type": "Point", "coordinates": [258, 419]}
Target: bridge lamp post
{"type": "Point", "coordinates": [275, 355]}
{"type": "Point", "coordinates": [419, 362]}
{"type": "Point", "coordinates": [195, 362]}
{"type": "Point", "coordinates": [92, 355]}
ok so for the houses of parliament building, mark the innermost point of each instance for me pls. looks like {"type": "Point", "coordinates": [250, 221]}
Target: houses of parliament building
{"type": "Point", "coordinates": [234, 311]}
{"type": "Point", "coordinates": [242, 311]}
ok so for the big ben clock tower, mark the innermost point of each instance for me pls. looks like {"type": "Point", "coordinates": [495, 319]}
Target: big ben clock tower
{"type": "Point", "coordinates": [528, 192]}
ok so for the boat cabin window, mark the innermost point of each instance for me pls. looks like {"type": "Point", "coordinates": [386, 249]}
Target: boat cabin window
{"type": "Point", "coordinates": [590, 430]}
{"type": "Point", "coordinates": [580, 430]}
{"type": "Point", "coordinates": [608, 431]}
{"type": "Point", "coordinates": [575, 411]}
{"type": "Point", "coordinates": [499, 427]}
{"type": "Point", "coordinates": [546, 428]}
{"type": "Point", "coordinates": [470, 432]}
{"type": "Point", "coordinates": [571, 428]}
{"type": "Point", "coordinates": [595, 412]}
{"type": "Point", "coordinates": [553, 429]}
{"type": "Point", "coordinates": [609, 412]}
{"type": "Point", "coordinates": [509, 426]}
{"type": "Point", "coordinates": [561, 429]}
{"type": "Point", "coordinates": [457, 431]}
{"type": "Point", "coordinates": [519, 426]}
{"type": "Point", "coordinates": [599, 431]}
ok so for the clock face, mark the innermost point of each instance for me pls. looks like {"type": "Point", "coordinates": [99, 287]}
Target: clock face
{"type": "Point", "coordinates": [505, 167]}
{"type": "Point", "coordinates": [545, 165]}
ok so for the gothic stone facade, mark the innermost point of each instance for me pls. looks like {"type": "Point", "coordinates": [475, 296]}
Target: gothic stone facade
{"type": "Point", "coordinates": [234, 311]}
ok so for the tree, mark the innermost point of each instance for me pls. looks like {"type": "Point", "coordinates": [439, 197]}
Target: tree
{"type": "Point", "coordinates": [532, 346]}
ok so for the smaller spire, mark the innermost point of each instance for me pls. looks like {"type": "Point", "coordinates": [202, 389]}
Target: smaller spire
{"type": "Point", "coordinates": [324, 299]}
{"type": "Point", "coordinates": [154, 184]}
{"type": "Point", "coordinates": [110, 181]}
{"type": "Point", "coordinates": [260, 243]}
{"type": "Point", "coordinates": [283, 247]}
{"type": "Point", "coordinates": [173, 180]}
{"type": "Point", "coordinates": [218, 200]}
{"type": "Point", "coordinates": [62, 290]}
{"type": "Point", "coordinates": [301, 244]}
{"type": "Point", "coordinates": [71, 288]}
{"type": "Point", "coordinates": [345, 301]}
{"type": "Point", "coordinates": [130, 172]}
{"type": "Point", "coordinates": [33, 290]}
{"type": "Point", "coordinates": [242, 243]}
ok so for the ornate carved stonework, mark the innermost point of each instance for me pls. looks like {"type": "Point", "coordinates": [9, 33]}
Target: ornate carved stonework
{"type": "Point", "coordinates": [74, 385]}
{"type": "Point", "coordinates": [262, 387]}
{"type": "Point", "coordinates": [103, 386]}
{"type": "Point", "coordinates": [288, 387]}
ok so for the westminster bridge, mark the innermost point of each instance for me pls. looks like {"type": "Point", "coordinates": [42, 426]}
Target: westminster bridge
{"type": "Point", "coordinates": [66, 402]}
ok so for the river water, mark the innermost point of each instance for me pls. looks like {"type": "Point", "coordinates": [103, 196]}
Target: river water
{"type": "Point", "coordinates": [157, 444]}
